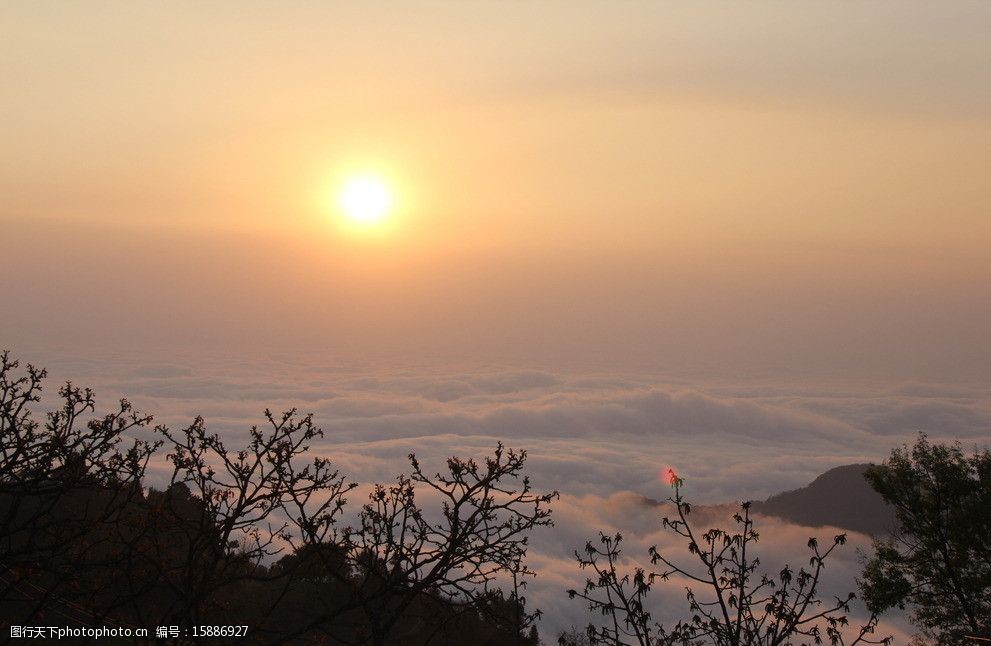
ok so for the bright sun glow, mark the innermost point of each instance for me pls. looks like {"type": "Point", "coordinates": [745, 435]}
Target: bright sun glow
{"type": "Point", "coordinates": [365, 200]}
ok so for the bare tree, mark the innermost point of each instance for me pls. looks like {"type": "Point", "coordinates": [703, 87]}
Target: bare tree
{"type": "Point", "coordinates": [620, 598]}
{"type": "Point", "coordinates": [245, 505]}
{"type": "Point", "coordinates": [480, 536]}
{"type": "Point", "coordinates": [64, 484]}
{"type": "Point", "coordinates": [730, 601]}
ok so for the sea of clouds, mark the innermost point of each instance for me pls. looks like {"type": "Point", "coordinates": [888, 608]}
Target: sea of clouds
{"type": "Point", "coordinates": [602, 440]}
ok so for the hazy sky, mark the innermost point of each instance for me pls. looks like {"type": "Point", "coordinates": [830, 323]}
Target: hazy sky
{"type": "Point", "coordinates": [798, 187]}
{"type": "Point", "coordinates": [749, 240]}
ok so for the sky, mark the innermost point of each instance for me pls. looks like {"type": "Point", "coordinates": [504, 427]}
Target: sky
{"type": "Point", "coordinates": [760, 187]}
{"type": "Point", "coordinates": [747, 240]}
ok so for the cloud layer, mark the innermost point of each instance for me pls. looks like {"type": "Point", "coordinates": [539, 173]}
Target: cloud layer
{"type": "Point", "coordinates": [601, 440]}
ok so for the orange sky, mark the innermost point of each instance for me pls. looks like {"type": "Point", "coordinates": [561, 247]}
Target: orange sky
{"type": "Point", "coordinates": [719, 184]}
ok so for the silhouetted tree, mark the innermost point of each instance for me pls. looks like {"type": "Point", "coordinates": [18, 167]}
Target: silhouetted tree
{"type": "Point", "coordinates": [938, 561]}
{"type": "Point", "coordinates": [730, 601]}
{"type": "Point", "coordinates": [478, 537]}
{"type": "Point", "coordinates": [64, 485]}
{"type": "Point", "coordinates": [620, 598]}
{"type": "Point", "coordinates": [247, 501]}
{"type": "Point", "coordinates": [573, 637]}
{"type": "Point", "coordinates": [250, 535]}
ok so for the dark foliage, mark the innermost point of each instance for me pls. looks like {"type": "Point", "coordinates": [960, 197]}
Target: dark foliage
{"type": "Point", "coordinates": [65, 488]}
{"type": "Point", "coordinates": [251, 536]}
{"type": "Point", "coordinates": [938, 562]}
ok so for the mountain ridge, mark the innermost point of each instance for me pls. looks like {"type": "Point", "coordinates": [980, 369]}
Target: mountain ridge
{"type": "Point", "coordinates": [839, 497]}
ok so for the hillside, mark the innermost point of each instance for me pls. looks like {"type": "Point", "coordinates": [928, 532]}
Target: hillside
{"type": "Point", "coordinates": [839, 497]}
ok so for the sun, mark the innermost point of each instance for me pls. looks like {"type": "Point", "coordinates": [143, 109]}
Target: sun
{"type": "Point", "coordinates": [365, 200]}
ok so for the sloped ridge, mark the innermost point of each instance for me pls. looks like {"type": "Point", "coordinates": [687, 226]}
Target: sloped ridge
{"type": "Point", "coordinates": [839, 497]}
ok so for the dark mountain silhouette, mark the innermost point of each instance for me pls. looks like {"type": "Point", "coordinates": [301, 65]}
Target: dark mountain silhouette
{"type": "Point", "coordinates": [839, 497]}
